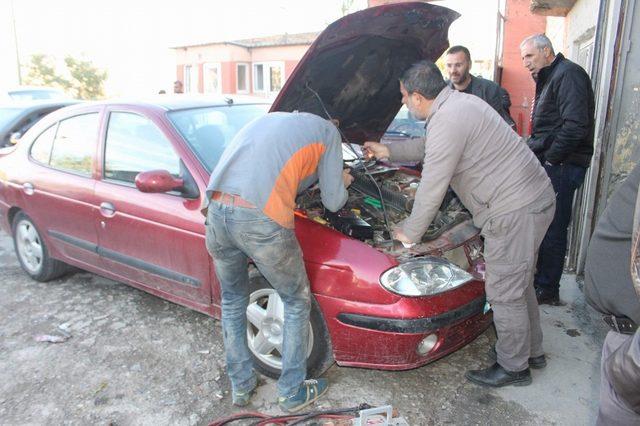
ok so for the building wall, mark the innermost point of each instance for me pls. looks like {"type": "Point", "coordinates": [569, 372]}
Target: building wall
{"type": "Point", "coordinates": [278, 53]}
{"type": "Point", "coordinates": [212, 53]}
{"type": "Point", "coordinates": [581, 25]}
{"type": "Point", "coordinates": [228, 56]}
{"type": "Point", "coordinates": [520, 23]}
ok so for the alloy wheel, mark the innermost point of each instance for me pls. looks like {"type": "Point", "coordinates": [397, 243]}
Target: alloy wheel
{"type": "Point", "coordinates": [265, 327]}
{"type": "Point", "coordinates": [29, 246]}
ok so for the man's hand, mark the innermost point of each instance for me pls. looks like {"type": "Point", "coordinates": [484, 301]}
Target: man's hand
{"type": "Point", "coordinates": [346, 177]}
{"type": "Point", "coordinates": [375, 149]}
{"type": "Point", "coordinates": [400, 236]}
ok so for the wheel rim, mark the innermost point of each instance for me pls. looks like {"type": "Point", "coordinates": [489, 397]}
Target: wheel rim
{"type": "Point", "coordinates": [265, 327]}
{"type": "Point", "coordinates": [29, 246]}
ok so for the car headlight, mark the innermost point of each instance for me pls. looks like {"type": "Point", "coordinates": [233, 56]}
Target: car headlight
{"type": "Point", "coordinates": [424, 276]}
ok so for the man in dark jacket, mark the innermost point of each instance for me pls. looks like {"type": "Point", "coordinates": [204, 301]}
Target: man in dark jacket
{"type": "Point", "coordinates": [609, 288]}
{"type": "Point", "coordinates": [562, 138]}
{"type": "Point", "coordinates": [457, 62]}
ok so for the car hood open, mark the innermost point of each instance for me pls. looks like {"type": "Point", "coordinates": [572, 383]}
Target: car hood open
{"type": "Point", "coordinates": [355, 63]}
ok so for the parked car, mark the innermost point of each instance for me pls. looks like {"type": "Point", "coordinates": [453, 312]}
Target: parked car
{"type": "Point", "coordinates": [116, 189]}
{"type": "Point", "coordinates": [33, 93]}
{"type": "Point", "coordinates": [17, 117]}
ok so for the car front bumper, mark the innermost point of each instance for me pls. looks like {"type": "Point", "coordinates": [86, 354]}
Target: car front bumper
{"type": "Point", "coordinates": [385, 343]}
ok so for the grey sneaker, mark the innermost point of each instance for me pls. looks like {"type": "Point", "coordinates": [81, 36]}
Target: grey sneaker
{"type": "Point", "coordinates": [308, 392]}
{"type": "Point", "coordinates": [241, 399]}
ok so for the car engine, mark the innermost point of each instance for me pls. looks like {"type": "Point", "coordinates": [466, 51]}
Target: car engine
{"type": "Point", "coordinates": [393, 193]}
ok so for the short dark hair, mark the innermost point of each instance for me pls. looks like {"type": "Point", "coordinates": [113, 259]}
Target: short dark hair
{"type": "Point", "coordinates": [425, 78]}
{"type": "Point", "coordinates": [458, 49]}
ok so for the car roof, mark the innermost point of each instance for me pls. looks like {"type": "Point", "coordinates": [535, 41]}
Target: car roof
{"type": "Point", "coordinates": [181, 102]}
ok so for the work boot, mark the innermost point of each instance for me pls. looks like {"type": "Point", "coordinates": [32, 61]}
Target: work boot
{"type": "Point", "coordinates": [536, 362]}
{"type": "Point", "coordinates": [496, 376]}
{"type": "Point", "coordinates": [546, 297]}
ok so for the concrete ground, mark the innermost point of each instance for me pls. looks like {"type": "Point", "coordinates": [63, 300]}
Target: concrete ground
{"type": "Point", "coordinates": [133, 359]}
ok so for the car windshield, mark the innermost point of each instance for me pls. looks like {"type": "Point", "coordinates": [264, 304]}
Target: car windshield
{"type": "Point", "coordinates": [404, 124]}
{"type": "Point", "coordinates": [7, 115]}
{"type": "Point", "coordinates": [208, 131]}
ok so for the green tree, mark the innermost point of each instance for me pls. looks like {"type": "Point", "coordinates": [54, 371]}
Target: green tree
{"type": "Point", "coordinates": [42, 72]}
{"type": "Point", "coordinates": [87, 80]}
{"type": "Point", "coordinates": [82, 79]}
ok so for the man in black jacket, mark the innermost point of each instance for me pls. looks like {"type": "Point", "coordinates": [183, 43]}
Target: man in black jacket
{"type": "Point", "coordinates": [457, 62]}
{"type": "Point", "coordinates": [562, 138]}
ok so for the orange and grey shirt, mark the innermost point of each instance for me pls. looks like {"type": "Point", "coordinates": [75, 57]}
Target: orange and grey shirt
{"type": "Point", "coordinates": [279, 155]}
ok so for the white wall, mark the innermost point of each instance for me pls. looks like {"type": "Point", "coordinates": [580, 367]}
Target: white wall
{"type": "Point", "coordinates": [568, 33]}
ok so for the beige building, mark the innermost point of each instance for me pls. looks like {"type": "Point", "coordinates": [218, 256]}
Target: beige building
{"type": "Point", "coordinates": [256, 66]}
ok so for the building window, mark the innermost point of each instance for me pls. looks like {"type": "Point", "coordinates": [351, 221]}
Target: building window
{"type": "Point", "coordinates": [187, 78]}
{"type": "Point", "coordinates": [212, 78]}
{"type": "Point", "coordinates": [242, 82]}
{"type": "Point", "coordinates": [258, 78]}
{"type": "Point", "coordinates": [190, 79]}
{"type": "Point", "coordinates": [268, 77]}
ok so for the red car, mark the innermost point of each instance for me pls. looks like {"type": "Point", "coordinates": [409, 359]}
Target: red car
{"type": "Point", "coordinates": [116, 189]}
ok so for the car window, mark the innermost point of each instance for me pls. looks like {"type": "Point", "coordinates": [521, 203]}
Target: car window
{"type": "Point", "coordinates": [41, 147]}
{"type": "Point", "coordinates": [134, 144]}
{"type": "Point", "coordinates": [75, 143]}
{"type": "Point", "coordinates": [209, 130]}
{"type": "Point", "coordinates": [7, 115]}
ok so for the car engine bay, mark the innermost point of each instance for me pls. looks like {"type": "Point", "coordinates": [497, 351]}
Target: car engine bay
{"type": "Point", "coordinates": [392, 195]}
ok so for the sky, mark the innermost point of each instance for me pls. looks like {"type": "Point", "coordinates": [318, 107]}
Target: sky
{"type": "Point", "coordinates": [132, 39]}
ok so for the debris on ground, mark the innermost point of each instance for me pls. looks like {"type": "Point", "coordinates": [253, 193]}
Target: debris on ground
{"type": "Point", "coordinates": [51, 338]}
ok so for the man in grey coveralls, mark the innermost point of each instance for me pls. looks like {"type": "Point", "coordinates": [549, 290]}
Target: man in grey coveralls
{"type": "Point", "coordinates": [499, 180]}
{"type": "Point", "coordinates": [613, 288]}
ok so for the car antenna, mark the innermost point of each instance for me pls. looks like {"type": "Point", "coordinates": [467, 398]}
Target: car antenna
{"type": "Point", "coordinates": [228, 100]}
{"type": "Point", "coordinates": [362, 159]}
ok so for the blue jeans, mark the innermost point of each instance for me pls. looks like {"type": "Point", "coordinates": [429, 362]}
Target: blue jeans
{"type": "Point", "coordinates": [234, 235]}
{"type": "Point", "coordinates": [565, 178]}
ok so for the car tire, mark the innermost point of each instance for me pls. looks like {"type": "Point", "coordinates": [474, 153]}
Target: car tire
{"type": "Point", "coordinates": [268, 360]}
{"type": "Point", "coordinates": [32, 251]}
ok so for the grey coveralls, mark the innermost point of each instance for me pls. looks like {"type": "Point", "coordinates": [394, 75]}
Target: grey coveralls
{"type": "Point", "coordinates": [609, 288]}
{"type": "Point", "coordinates": [499, 180]}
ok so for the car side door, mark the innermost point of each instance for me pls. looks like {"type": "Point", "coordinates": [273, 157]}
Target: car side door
{"type": "Point", "coordinates": [152, 241]}
{"type": "Point", "coordinates": [58, 192]}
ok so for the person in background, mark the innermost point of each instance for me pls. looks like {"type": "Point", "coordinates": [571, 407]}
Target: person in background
{"type": "Point", "coordinates": [499, 180]}
{"type": "Point", "coordinates": [457, 63]}
{"type": "Point", "coordinates": [178, 87]}
{"type": "Point", "coordinates": [251, 216]}
{"type": "Point", "coordinates": [562, 139]}
{"type": "Point", "coordinates": [609, 288]}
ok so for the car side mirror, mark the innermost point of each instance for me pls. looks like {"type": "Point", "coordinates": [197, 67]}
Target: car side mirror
{"type": "Point", "coordinates": [158, 181]}
{"type": "Point", "coordinates": [14, 138]}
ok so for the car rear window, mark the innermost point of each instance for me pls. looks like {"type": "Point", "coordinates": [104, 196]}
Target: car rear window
{"type": "Point", "coordinates": [75, 144]}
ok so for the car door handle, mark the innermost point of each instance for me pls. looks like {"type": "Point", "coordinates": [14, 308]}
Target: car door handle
{"type": "Point", "coordinates": [27, 188]}
{"type": "Point", "coordinates": [107, 209]}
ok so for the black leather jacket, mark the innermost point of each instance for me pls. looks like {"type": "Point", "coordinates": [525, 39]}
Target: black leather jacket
{"type": "Point", "coordinates": [493, 94]}
{"type": "Point", "coordinates": [563, 119]}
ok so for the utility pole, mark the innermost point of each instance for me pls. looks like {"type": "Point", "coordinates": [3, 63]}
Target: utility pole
{"type": "Point", "coordinates": [15, 38]}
